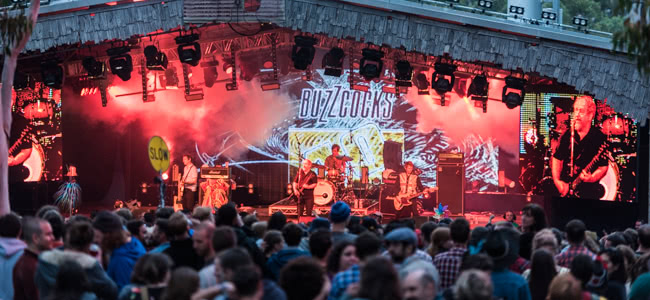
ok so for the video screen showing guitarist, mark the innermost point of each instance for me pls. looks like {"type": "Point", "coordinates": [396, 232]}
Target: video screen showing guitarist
{"type": "Point", "coordinates": [303, 187]}
{"type": "Point", "coordinates": [409, 185]}
{"type": "Point", "coordinates": [20, 147]}
{"type": "Point", "coordinates": [589, 166]}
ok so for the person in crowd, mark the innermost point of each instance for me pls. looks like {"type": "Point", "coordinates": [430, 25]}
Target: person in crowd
{"type": "Point", "coordinates": [565, 287]}
{"type": "Point", "coordinates": [340, 216]}
{"type": "Point", "coordinates": [640, 288]}
{"type": "Point", "coordinates": [575, 234]}
{"type": "Point", "coordinates": [629, 258]}
{"type": "Point", "coordinates": [164, 213]}
{"type": "Point", "coordinates": [511, 218]}
{"type": "Point", "coordinates": [545, 240]}
{"type": "Point", "coordinates": [71, 283]}
{"type": "Point", "coordinates": [317, 224]}
{"type": "Point", "coordinates": [542, 272]}
{"type": "Point", "coordinates": [644, 240]}
{"type": "Point", "coordinates": [249, 220]}
{"type": "Point", "coordinates": [161, 236]}
{"type": "Point", "coordinates": [116, 243]}
{"type": "Point", "coordinates": [440, 241]}
{"type": "Point", "coordinates": [599, 284]}
{"type": "Point", "coordinates": [223, 238]}
{"type": "Point", "coordinates": [473, 285]}
{"type": "Point", "coordinates": [448, 263]}
{"type": "Point", "coordinates": [503, 246]}
{"type": "Point", "coordinates": [137, 229]}
{"type": "Point", "coordinates": [292, 234]}
{"type": "Point", "coordinates": [273, 242]}
{"type": "Point", "coordinates": [477, 235]}
{"type": "Point", "coordinates": [341, 258]}
{"type": "Point", "coordinates": [149, 278]}
{"type": "Point", "coordinates": [479, 261]}
{"type": "Point", "coordinates": [354, 225]}
{"type": "Point", "coordinates": [366, 246]}
{"type": "Point", "coordinates": [614, 266]}
{"type": "Point", "coordinates": [371, 224]}
{"type": "Point", "coordinates": [402, 246]}
{"type": "Point", "coordinates": [184, 282]}
{"type": "Point", "coordinates": [203, 213]}
{"type": "Point", "coordinates": [202, 242]}
{"type": "Point", "coordinates": [227, 215]}
{"type": "Point", "coordinates": [631, 238]}
{"type": "Point", "coordinates": [79, 236]}
{"type": "Point", "coordinates": [582, 268]}
{"type": "Point", "coordinates": [44, 209]}
{"type": "Point", "coordinates": [426, 230]}
{"type": "Point", "coordinates": [533, 219]}
{"type": "Point", "coordinates": [56, 221]}
{"type": "Point", "coordinates": [259, 229]}
{"type": "Point", "coordinates": [419, 281]}
{"type": "Point", "coordinates": [320, 242]}
{"type": "Point", "coordinates": [247, 283]}
{"type": "Point", "coordinates": [614, 239]}
{"type": "Point", "coordinates": [181, 249]}
{"type": "Point", "coordinates": [37, 233]}
{"type": "Point", "coordinates": [11, 250]}
{"type": "Point", "coordinates": [125, 213]}
{"type": "Point", "coordinates": [641, 266]}
{"type": "Point", "coordinates": [379, 281]}
{"type": "Point", "coordinates": [149, 221]}
{"type": "Point", "coordinates": [277, 221]}
{"type": "Point", "coordinates": [304, 278]}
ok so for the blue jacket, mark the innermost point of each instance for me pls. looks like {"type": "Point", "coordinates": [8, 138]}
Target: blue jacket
{"type": "Point", "coordinates": [280, 259]}
{"type": "Point", "coordinates": [122, 262]}
{"type": "Point", "coordinates": [48, 267]}
{"type": "Point", "coordinates": [10, 251]}
{"type": "Point", "coordinates": [509, 285]}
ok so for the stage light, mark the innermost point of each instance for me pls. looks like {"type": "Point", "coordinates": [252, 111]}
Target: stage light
{"type": "Point", "coordinates": [120, 62]}
{"type": "Point", "coordinates": [210, 73]}
{"type": "Point", "coordinates": [52, 74]}
{"type": "Point", "coordinates": [232, 66]}
{"type": "Point", "coordinates": [479, 86]}
{"type": "Point", "coordinates": [156, 60]}
{"type": "Point", "coordinates": [443, 78]}
{"type": "Point", "coordinates": [94, 68]}
{"type": "Point", "coordinates": [371, 65]}
{"type": "Point", "coordinates": [485, 3]}
{"type": "Point", "coordinates": [513, 92]}
{"type": "Point", "coordinates": [548, 15]}
{"type": "Point", "coordinates": [303, 52]}
{"type": "Point", "coordinates": [189, 50]}
{"type": "Point", "coordinates": [23, 81]}
{"type": "Point", "coordinates": [422, 83]}
{"type": "Point", "coordinates": [580, 21]}
{"type": "Point", "coordinates": [333, 62]}
{"type": "Point", "coordinates": [516, 10]}
{"type": "Point", "coordinates": [403, 73]}
{"type": "Point", "coordinates": [190, 93]}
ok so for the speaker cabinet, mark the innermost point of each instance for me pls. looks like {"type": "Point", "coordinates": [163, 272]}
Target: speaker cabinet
{"type": "Point", "coordinates": [451, 187]}
{"type": "Point", "coordinates": [387, 206]}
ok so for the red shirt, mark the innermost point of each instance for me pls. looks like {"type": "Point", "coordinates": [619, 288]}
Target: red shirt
{"type": "Point", "coordinates": [24, 271]}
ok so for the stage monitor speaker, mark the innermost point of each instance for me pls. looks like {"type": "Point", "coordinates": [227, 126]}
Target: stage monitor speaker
{"type": "Point", "coordinates": [451, 187]}
{"type": "Point", "coordinates": [386, 206]}
{"type": "Point", "coordinates": [392, 155]}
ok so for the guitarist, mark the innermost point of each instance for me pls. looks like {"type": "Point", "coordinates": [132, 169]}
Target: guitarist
{"type": "Point", "coordinates": [22, 148]}
{"type": "Point", "coordinates": [303, 187]}
{"type": "Point", "coordinates": [189, 181]}
{"type": "Point", "coordinates": [587, 140]}
{"type": "Point", "coordinates": [409, 184]}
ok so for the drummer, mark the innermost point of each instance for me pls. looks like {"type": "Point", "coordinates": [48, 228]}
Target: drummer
{"type": "Point", "coordinates": [335, 164]}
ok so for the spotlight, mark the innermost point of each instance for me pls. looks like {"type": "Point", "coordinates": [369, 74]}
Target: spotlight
{"type": "Point", "coordinates": [94, 68]}
{"type": "Point", "coordinates": [371, 65]}
{"type": "Point", "coordinates": [120, 62]}
{"type": "Point", "coordinates": [479, 86]}
{"type": "Point", "coordinates": [513, 92]}
{"type": "Point", "coordinates": [403, 73]}
{"type": "Point", "coordinates": [189, 50]}
{"type": "Point", "coordinates": [333, 62]}
{"type": "Point", "coordinates": [52, 74]}
{"type": "Point", "coordinates": [422, 83]}
{"type": "Point", "coordinates": [303, 52]}
{"type": "Point", "coordinates": [156, 60]}
{"type": "Point", "coordinates": [210, 72]}
{"type": "Point", "coordinates": [548, 15]}
{"type": "Point", "coordinates": [485, 3]}
{"type": "Point", "coordinates": [443, 78]}
{"type": "Point", "coordinates": [23, 81]}
{"type": "Point", "coordinates": [516, 10]}
{"type": "Point", "coordinates": [580, 21]}
{"type": "Point", "coordinates": [227, 68]}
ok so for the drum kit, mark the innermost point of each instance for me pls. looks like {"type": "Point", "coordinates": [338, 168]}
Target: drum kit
{"type": "Point", "coordinates": [335, 185]}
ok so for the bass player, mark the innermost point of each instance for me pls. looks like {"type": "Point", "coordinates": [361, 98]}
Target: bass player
{"type": "Point", "coordinates": [410, 184]}
{"type": "Point", "coordinates": [303, 187]}
{"type": "Point", "coordinates": [585, 140]}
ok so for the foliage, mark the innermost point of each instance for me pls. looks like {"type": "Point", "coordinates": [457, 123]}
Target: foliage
{"type": "Point", "coordinates": [633, 38]}
{"type": "Point", "coordinates": [14, 25]}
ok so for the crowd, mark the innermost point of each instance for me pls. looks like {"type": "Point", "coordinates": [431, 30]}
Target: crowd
{"type": "Point", "coordinates": [166, 255]}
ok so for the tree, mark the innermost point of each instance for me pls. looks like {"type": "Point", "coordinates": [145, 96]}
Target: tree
{"type": "Point", "coordinates": [633, 38]}
{"type": "Point", "coordinates": [15, 30]}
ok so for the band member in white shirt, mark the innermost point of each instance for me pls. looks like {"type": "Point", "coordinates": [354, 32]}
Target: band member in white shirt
{"type": "Point", "coordinates": [189, 182]}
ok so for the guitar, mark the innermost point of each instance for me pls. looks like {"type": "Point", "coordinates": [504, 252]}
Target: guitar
{"type": "Point", "coordinates": [298, 197]}
{"type": "Point", "coordinates": [400, 201]}
{"type": "Point", "coordinates": [21, 170]}
{"type": "Point", "coordinates": [578, 188]}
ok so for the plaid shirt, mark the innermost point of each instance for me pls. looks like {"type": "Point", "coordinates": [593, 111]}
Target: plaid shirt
{"type": "Point", "coordinates": [448, 265]}
{"type": "Point", "coordinates": [565, 258]}
{"type": "Point", "coordinates": [342, 280]}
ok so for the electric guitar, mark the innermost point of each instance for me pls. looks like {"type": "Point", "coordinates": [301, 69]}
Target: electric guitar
{"type": "Point", "coordinates": [400, 201]}
{"type": "Point", "coordinates": [578, 188]}
{"type": "Point", "coordinates": [20, 170]}
{"type": "Point", "coordinates": [298, 197]}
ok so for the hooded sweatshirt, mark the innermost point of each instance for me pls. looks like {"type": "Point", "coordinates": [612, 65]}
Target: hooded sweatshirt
{"type": "Point", "coordinates": [281, 258]}
{"type": "Point", "coordinates": [11, 249]}
{"type": "Point", "coordinates": [49, 263]}
{"type": "Point", "coordinates": [122, 262]}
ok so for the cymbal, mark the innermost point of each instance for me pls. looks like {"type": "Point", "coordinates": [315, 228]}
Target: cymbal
{"type": "Point", "coordinates": [318, 166]}
{"type": "Point", "coordinates": [345, 158]}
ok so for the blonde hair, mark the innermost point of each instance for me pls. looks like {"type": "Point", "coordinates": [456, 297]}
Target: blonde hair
{"type": "Point", "coordinates": [545, 237]}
